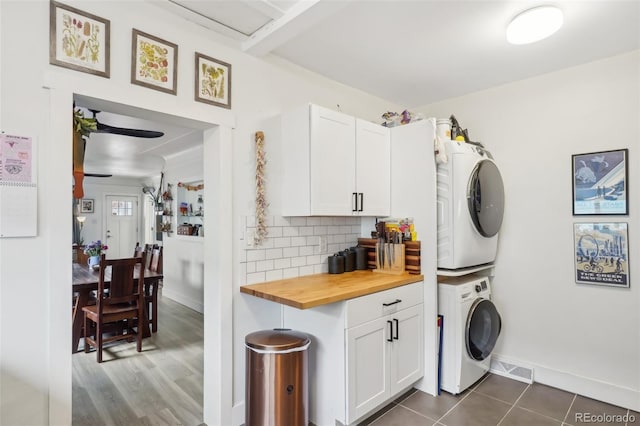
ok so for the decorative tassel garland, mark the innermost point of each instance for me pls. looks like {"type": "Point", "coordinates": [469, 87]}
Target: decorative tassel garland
{"type": "Point", "coordinates": [261, 200]}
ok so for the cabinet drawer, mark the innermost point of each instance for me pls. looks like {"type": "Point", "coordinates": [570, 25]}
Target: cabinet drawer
{"type": "Point", "coordinates": [372, 306]}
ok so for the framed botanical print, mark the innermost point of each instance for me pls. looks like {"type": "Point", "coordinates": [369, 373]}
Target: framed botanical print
{"type": "Point", "coordinates": [212, 81]}
{"type": "Point", "coordinates": [79, 40]}
{"type": "Point", "coordinates": [601, 253]}
{"type": "Point", "coordinates": [600, 181]}
{"type": "Point", "coordinates": [154, 62]}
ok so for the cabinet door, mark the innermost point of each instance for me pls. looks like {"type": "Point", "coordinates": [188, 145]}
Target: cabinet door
{"type": "Point", "coordinates": [367, 367]}
{"type": "Point", "coordinates": [332, 160]}
{"type": "Point", "coordinates": [407, 358]}
{"type": "Point", "coordinates": [373, 168]}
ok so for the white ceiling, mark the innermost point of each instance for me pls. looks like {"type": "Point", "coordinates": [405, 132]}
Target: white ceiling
{"type": "Point", "coordinates": [414, 52]}
{"type": "Point", "coordinates": [410, 52]}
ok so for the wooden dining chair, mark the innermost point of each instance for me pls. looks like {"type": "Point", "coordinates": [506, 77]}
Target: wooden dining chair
{"type": "Point", "coordinates": [151, 300]}
{"type": "Point", "coordinates": [124, 301]}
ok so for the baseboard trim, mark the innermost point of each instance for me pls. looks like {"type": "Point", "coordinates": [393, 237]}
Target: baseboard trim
{"type": "Point", "coordinates": [183, 300]}
{"type": "Point", "coordinates": [237, 414]}
{"type": "Point", "coordinates": [585, 386]}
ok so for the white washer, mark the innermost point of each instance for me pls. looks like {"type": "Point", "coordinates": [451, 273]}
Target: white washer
{"type": "Point", "coordinates": [471, 326]}
{"type": "Point", "coordinates": [470, 199]}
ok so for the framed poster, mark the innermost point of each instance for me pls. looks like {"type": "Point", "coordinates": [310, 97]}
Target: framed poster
{"type": "Point", "coordinates": [86, 205]}
{"type": "Point", "coordinates": [601, 253]}
{"type": "Point", "coordinates": [78, 40]}
{"type": "Point", "coordinates": [212, 81]}
{"type": "Point", "coordinates": [600, 183]}
{"type": "Point", "coordinates": [154, 62]}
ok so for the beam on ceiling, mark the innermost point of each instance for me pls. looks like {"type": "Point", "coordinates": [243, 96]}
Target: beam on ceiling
{"type": "Point", "coordinates": [300, 17]}
{"type": "Point", "coordinates": [265, 7]}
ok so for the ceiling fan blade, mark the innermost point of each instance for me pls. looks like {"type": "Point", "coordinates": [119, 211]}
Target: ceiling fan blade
{"type": "Point", "coordinates": [136, 133]}
{"type": "Point", "coordinates": [99, 175]}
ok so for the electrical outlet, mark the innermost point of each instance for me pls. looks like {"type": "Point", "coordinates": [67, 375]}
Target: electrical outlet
{"type": "Point", "coordinates": [323, 245]}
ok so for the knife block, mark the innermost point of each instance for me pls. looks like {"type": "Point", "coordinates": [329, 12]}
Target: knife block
{"type": "Point", "coordinates": [389, 258]}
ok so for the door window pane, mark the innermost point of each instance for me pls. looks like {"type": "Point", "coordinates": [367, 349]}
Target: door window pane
{"type": "Point", "coordinates": [122, 208]}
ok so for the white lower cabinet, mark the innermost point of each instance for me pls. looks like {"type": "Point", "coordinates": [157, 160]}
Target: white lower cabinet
{"type": "Point", "coordinates": [384, 357]}
{"type": "Point", "coordinates": [364, 352]}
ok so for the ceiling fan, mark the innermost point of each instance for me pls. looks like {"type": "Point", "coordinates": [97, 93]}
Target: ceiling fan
{"type": "Point", "coordinates": [82, 128]}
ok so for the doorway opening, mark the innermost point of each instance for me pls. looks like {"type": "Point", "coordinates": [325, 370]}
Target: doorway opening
{"type": "Point", "coordinates": [216, 141]}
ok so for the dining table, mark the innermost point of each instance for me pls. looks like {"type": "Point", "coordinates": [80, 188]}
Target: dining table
{"type": "Point", "coordinates": [85, 281]}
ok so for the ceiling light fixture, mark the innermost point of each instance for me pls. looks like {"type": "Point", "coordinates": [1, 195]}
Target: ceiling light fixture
{"type": "Point", "coordinates": [534, 24]}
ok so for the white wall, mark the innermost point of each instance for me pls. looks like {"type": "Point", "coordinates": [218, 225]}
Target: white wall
{"type": "Point", "coordinates": [585, 339]}
{"type": "Point", "coordinates": [35, 371]}
{"type": "Point", "coordinates": [183, 256]}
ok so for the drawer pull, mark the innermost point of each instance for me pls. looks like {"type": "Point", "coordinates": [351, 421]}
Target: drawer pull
{"type": "Point", "coordinates": [390, 339]}
{"type": "Point", "coordinates": [392, 303]}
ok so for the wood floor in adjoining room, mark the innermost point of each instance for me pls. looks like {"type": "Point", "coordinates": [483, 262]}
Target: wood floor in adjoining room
{"type": "Point", "coordinates": [162, 385]}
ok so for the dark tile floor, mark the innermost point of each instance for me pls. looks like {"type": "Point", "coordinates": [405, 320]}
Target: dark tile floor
{"type": "Point", "coordinates": [496, 400]}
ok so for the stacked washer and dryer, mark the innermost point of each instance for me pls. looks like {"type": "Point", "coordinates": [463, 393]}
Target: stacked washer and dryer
{"type": "Point", "coordinates": [470, 200]}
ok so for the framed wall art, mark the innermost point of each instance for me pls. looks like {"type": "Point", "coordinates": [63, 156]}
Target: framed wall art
{"type": "Point", "coordinates": [86, 205]}
{"type": "Point", "coordinates": [154, 62]}
{"type": "Point", "coordinates": [79, 40]}
{"type": "Point", "coordinates": [600, 181]}
{"type": "Point", "coordinates": [212, 81]}
{"type": "Point", "coordinates": [601, 253]}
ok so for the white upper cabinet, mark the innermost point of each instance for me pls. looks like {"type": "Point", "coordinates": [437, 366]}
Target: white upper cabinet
{"type": "Point", "coordinates": [333, 164]}
{"type": "Point", "coordinates": [373, 168]}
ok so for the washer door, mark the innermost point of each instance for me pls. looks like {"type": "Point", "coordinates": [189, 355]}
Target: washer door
{"type": "Point", "coordinates": [483, 328]}
{"type": "Point", "coordinates": [485, 195]}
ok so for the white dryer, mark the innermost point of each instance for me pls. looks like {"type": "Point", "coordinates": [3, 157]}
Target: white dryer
{"type": "Point", "coordinates": [470, 199]}
{"type": "Point", "coordinates": [471, 326]}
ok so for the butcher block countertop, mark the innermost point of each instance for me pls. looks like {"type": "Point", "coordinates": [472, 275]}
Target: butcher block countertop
{"type": "Point", "coordinates": [321, 289]}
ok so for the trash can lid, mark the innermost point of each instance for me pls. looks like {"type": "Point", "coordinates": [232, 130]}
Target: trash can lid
{"type": "Point", "coordinates": [278, 339]}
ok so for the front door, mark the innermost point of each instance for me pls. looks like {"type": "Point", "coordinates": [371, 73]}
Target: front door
{"type": "Point", "coordinates": [121, 212]}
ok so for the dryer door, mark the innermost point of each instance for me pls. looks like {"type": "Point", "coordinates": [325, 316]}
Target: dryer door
{"type": "Point", "coordinates": [485, 195]}
{"type": "Point", "coordinates": [483, 328]}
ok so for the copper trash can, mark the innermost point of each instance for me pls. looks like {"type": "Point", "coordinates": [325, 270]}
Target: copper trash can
{"type": "Point", "coordinates": [277, 390]}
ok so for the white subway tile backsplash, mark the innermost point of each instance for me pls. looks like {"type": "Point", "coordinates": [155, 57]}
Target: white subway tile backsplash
{"type": "Point", "coordinates": [306, 230]}
{"type": "Point", "coordinates": [264, 265]}
{"type": "Point", "coordinates": [321, 268]}
{"type": "Point", "coordinates": [298, 221]}
{"type": "Point", "coordinates": [281, 242]}
{"type": "Point", "coordinates": [333, 229]}
{"type": "Point", "coordinates": [299, 261]}
{"type": "Point", "coordinates": [266, 243]}
{"type": "Point", "coordinates": [290, 273]}
{"type": "Point", "coordinates": [274, 231]}
{"type": "Point", "coordinates": [312, 260]}
{"type": "Point", "coordinates": [253, 255]}
{"type": "Point", "coordinates": [336, 239]}
{"type": "Point", "coordinates": [306, 250]}
{"type": "Point", "coordinates": [320, 230]}
{"type": "Point", "coordinates": [326, 221]}
{"type": "Point", "coordinates": [256, 277]}
{"type": "Point", "coordinates": [332, 248]}
{"type": "Point", "coordinates": [298, 241]}
{"type": "Point", "coordinates": [276, 274]}
{"type": "Point", "coordinates": [291, 247]}
{"type": "Point", "coordinates": [282, 263]}
{"type": "Point", "coordinates": [290, 231]}
{"type": "Point", "coordinates": [305, 270]}
{"type": "Point", "coordinates": [290, 251]}
{"type": "Point", "coordinates": [275, 253]}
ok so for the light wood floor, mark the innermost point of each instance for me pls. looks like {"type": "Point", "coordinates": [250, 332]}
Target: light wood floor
{"type": "Point", "coordinates": [162, 385]}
